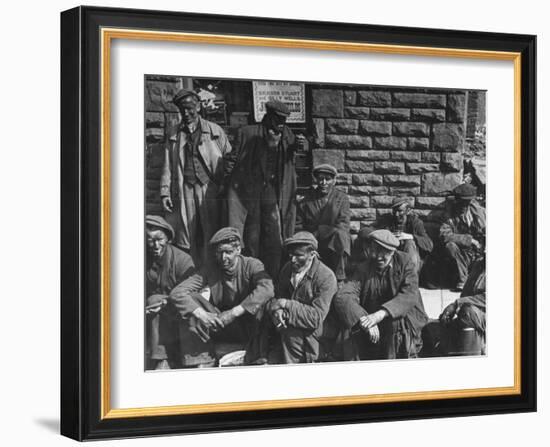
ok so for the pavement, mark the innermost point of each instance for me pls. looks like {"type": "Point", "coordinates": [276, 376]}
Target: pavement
{"type": "Point", "coordinates": [436, 300]}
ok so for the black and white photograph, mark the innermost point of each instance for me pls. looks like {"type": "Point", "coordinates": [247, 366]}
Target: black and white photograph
{"type": "Point", "coordinates": [294, 222]}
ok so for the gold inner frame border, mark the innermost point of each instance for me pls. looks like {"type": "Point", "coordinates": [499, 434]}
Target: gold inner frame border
{"type": "Point", "coordinates": [107, 35]}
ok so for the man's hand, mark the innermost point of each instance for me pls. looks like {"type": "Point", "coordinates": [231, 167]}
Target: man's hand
{"type": "Point", "coordinates": [476, 244]}
{"type": "Point", "coordinates": [155, 308]}
{"type": "Point", "coordinates": [368, 321]}
{"type": "Point", "coordinates": [167, 204]}
{"type": "Point", "coordinates": [210, 320]}
{"type": "Point", "coordinates": [448, 313]}
{"type": "Point", "coordinates": [278, 318]}
{"type": "Point", "coordinates": [229, 316]}
{"type": "Point", "coordinates": [374, 334]}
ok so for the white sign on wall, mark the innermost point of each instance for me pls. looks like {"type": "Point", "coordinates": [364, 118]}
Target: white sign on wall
{"type": "Point", "coordinates": [291, 93]}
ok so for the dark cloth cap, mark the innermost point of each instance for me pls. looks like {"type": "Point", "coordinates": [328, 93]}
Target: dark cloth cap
{"type": "Point", "coordinates": [385, 238]}
{"type": "Point", "coordinates": [326, 168]}
{"type": "Point", "coordinates": [278, 107]}
{"type": "Point", "coordinates": [226, 234]}
{"type": "Point", "coordinates": [302, 238]}
{"type": "Point", "coordinates": [365, 232]}
{"type": "Point", "coordinates": [184, 93]}
{"type": "Point", "coordinates": [398, 201]}
{"type": "Point", "coordinates": [159, 222]}
{"type": "Point", "coordinates": [466, 191]}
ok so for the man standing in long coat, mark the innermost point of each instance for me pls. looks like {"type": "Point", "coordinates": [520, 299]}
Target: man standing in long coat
{"type": "Point", "coordinates": [192, 176]}
{"type": "Point", "coordinates": [380, 307]}
{"type": "Point", "coordinates": [262, 186]}
{"type": "Point", "coordinates": [236, 289]}
{"type": "Point", "coordinates": [325, 212]}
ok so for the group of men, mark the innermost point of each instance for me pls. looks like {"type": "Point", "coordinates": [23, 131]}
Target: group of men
{"type": "Point", "coordinates": [237, 263]}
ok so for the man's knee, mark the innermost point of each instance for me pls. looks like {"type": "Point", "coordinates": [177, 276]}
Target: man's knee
{"type": "Point", "coordinates": [470, 316]}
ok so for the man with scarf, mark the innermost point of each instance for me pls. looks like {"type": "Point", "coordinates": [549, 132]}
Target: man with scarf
{"type": "Point", "coordinates": [192, 176]}
{"type": "Point", "coordinates": [261, 178]}
{"type": "Point", "coordinates": [303, 296]}
{"type": "Point", "coordinates": [463, 233]}
{"type": "Point", "coordinates": [222, 306]}
{"type": "Point", "coordinates": [325, 212]}
{"type": "Point", "coordinates": [166, 267]}
{"type": "Point", "coordinates": [380, 307]}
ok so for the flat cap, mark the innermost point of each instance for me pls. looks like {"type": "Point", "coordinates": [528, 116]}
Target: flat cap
{"type": "Point", "coordinates": [365, 232]}
{"type": "Point", "coordinates": [326, 168]}
{"type": "Point", "coordinates": [184, 93]}
{"type": "Point", "coordinates": [302, 238]}
{"type": "Point", "coordinates": [226, 234]}
{"type": "Point", "coordinates": [159, 222]}
{"type": "Point", "coordinates": [466, 191]}
{"type": "Point", "coordinates": [278, 107]}
{"type": "Point", "coordinates": [398, 201]}
{"type": "Point", "coordinates": [385, 238]}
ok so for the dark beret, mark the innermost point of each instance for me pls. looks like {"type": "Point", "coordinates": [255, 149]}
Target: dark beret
{"type": "Point", "coordinates": [466, 191]}
{"type": "Point", "coordinates": [385, 238]}
{"type": "Point", "coordinates": [278, 107]}
{"type": "Point", "coordinates": [226, 234]}
{"type": "Point", "coordinates": [302, 238]}
{"type": "Point", "coordinates": [326, 168]}
{"type": "Point", "coordinates": [184, 93]}
{"type": "Point", "coordinates": [398, 201]}
{"type": "Point", "coordinates": [159, 222]}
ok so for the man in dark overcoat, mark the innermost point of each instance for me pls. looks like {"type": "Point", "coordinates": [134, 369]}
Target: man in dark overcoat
{"type": "Point", "coordinates": [223, 304]}
{"type": "Point", "coordinates": [325, 212]}
{"type": "Point", "coordinates": [380, 306]}
{"type": "Point", "coordinates": [262, 185]}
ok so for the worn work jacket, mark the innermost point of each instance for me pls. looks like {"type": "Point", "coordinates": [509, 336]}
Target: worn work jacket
{"type": "Point", "coordinates": [462, 232]}
{"type": "Point", "coordinates": [329, 223]}
{"type": "Point", "coordinates": [474, 288]}
{"type": "Point", "coordinates": [244, 169]}
{"type": "Point", "coordinates": [414, 226]}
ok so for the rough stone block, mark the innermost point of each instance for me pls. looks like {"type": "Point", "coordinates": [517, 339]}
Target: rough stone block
{"type": "Point", "coordinates": [391, 114]}
{"type": "Point", "coordinates": [390, 143]}
{"type": "Point", "coordinates": [421, 168]}
{"type": "Point", "coordinates": [357, 112]}
{"type": "Point", "coordinates": [381, 201]}
{"type": "Point", "coordinates": [348, 141]}
{"type": "Point", "coordinates": [389, 167]}
{"type": "Point", "coordinates": [335, 157]}
{"type": "Point", "coordinates": [154, 119]}
{"type": "Point", "coordinates": [359, 166]}
{"type": "Point", "coordinates": [343, 179]}
{"type": "Point", "coordinates": [431, 157]}
{"type": "Point", "coordinates": [411, 129]}
{"type": "Point", "coordinates": [159, 95]}
{"type": "Point", "coordinates": [456, 107]}
{"type": "Point", "coordinates": [430, 202]}
{"type": "Point", "coordinates": [342, 188]}
{"type": "Point", "coordinates": [318, 132]}
{"type": "Point", "coordinates": [404, 156]}
{"type": "Point", "coordinates": [367, 155]}
{"type": "Point", "coordinates": [419, 144]}
{"type": "Point", "coordinates": [350, 98]}
{"type": "Point", "coordinates": [448, 137]}
{"type": "Point", "coordinates": [374, 99]}
{"type": "Point", "coordinates": [452, 162]}
{"type": "Point", "coordinates": [363, 189]}
{"type": "Point", "coordinates": [402, 180]}
{"type": "Point", "coordinates": [375, 127]}
{"type": "Point", "coordinates": [430, 115]}
{"type": "Point", "coordinates": [366, 179]}
{"type": "Point", "coordinates": [427, 100]}
{"type": "Point", "coordinates": [404, 190]}
{"type": "Point", "coordinates": [359, 201]}
{"type": "Point", "coordinates": [381, 212]}
{"type": "Point", "coordinates": [327, 103]}
{"type": "Point", "coordinates": [363, 214]}
{"type": "Point", "coordinates": [341, 126]}
{"type": "Point", "coordinates": [438, 184]}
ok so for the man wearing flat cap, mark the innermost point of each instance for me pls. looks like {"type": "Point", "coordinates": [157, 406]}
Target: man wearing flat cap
{"type": "Point", "coordinates": [463, 232]}
{"type": "Point", "coordinates": [409, 229]}
{"type": "Point", "coordinates": [221, 307]}
{"type": "Point", "coordinates": [192, 176]}
{"type": "Point", "coordinates": [262, 185]}
{"type": "Point", "coordinates": [380, 307]}
{"type": "Point", "coordinates": [325, 212]}
{"type": "Point", "coordinates": [302, 300]}
{"type": "Point", "coordinates": [166, 267]}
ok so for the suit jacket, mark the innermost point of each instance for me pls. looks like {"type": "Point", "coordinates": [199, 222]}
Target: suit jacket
{"type": "Point", "coordinates": [330, 224]}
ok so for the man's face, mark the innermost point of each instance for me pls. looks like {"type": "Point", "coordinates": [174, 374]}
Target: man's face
{"type": "Point", "coordinates": [462, 206]}
{"type": "Point", "coordinates": [156, 242]}
{"type": "Point", "coordinates": [226, 255]}
{"type": "Point", "coordinates": [275, 121]}
{"type": "Point", "coordinates": [325, 182]}
{"type": "Point", "coordinates": [189, 109]}
{"type": "Point", "coordinates": [400, 213]}
{"type": "Point", "coordinates": [380, 255]}
{"type": "Point", "coordinates": [300, 256]}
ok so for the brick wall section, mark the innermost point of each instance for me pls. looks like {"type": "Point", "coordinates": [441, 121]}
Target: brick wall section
{"type": "Point", "coordinates": [391, 141]}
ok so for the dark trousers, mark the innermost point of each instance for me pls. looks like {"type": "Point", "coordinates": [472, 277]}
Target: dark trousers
{"type": "Point", "coordinates": [409, 247]}
{"type": "Point", "coordinates": [462, 259]}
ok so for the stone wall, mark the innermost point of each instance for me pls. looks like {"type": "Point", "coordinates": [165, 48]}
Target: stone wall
{"type": "Point", "coordinates": [388, 142]}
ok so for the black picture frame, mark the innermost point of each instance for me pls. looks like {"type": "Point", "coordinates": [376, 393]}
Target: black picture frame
{"type": "Point", "coordinates": [81, 224]}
